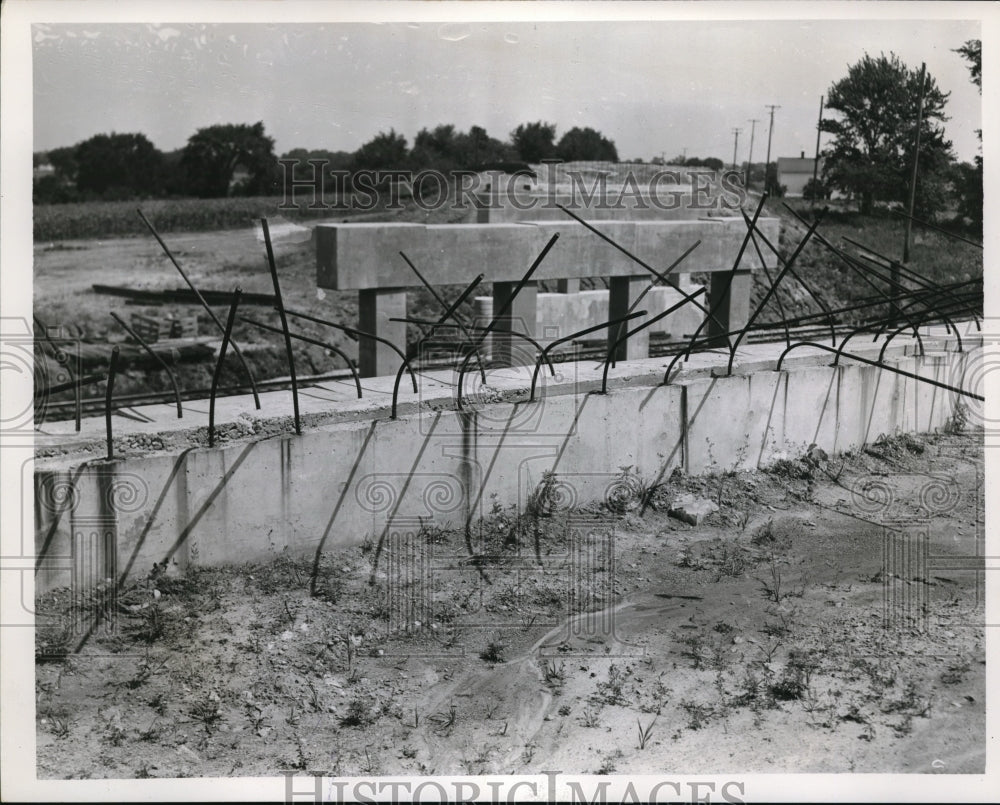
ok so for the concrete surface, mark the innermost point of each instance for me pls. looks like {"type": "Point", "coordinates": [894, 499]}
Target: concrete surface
{"type": "Point", "coordinates": [355, 474]}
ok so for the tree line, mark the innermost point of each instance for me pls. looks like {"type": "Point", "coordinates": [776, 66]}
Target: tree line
{"type": "Point", "coordinates": [239, 160]}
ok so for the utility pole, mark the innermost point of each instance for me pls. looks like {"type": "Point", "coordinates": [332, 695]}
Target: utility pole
{"type": "Point", "coordinates": [916, 159]}
{"type": "Point", "coordinates": [753, 126]}
{"type": "Point", "coordinates": [770, 130]}
{"type": "Point", "coordinates": [819, 125]}
{"type": "Point", "coordinates": [736, 142]}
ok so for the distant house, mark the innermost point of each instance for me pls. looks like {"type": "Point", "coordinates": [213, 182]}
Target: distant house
{"type": "Point", "coordinates": [795, 172]}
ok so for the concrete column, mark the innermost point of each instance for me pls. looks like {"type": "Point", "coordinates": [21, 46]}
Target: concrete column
{"type": "Point", "coordinates": [568, 285]}
{"type": "Point", "coordinates": [731, 306]}
{"type": "Point", "coordinates": [520, 317]}
{"type": "Point", "coordinates": [623, 292]}
{"type": "Point", "coordinates": [375, 307]}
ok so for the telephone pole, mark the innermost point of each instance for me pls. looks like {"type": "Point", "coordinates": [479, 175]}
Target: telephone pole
{"type": "Point", "coordinates": [770, 131]}
{"type": "Point", "coordinates": [736, 142]}
{"type": "Point", "coordinates": [753, 126]}
{"type": "Point", "coordinates": [819, 128]}
{"type": "Point", "coordinates": [916, 159]}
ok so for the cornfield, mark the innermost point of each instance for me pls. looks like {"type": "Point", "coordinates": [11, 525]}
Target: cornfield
{"type": "Point", "coordinates": [99, 219]}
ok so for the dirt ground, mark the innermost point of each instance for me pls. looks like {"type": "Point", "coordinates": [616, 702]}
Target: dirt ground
{"type": "Point", "coordinates": [825, 619]}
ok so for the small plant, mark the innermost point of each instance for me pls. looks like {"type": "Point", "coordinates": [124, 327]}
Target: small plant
{"type": "Point", "coordinates": [591, 716]}
{"type": "Point", "coordinates": [494, 651]}
{"type": "Point", "coordinates": [554, 672]}
{"type": "Point", "coordinates": [958, 420]}
{"type": "Point", "coordinates": [609, 764]}
{"type": "Point", "coordinates": [772, 586]}
{"type": "Point", "coordinates": [698, 714]}
{"type": "Point", "coordinates": [955, 673]}
{"type": "Point", "coordinates": [645, 732]}
{"type": "Point", "coordinates": [207, 711]}
{"type": "Point", "coordinates": [565, 710]}
{"type": "Point", "coordinates": [613, 690]}
{"type": "Point", "coordinates": [528, 754]}
{"type": "Point", "coordinates": [445, 721]}
{"type": "Point", "coordinates": [358, 713]}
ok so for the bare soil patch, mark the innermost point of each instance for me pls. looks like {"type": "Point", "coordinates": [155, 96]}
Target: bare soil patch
{"type": "Point", "coordinates": [794, 631]}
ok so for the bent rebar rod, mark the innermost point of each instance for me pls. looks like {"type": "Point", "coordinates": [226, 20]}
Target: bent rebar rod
{"type": "Point", "coordinates": [853, 264]}
{"type": "Point", "coordinates": [109, 391]}
{"type": "Point", "coordinates": [444, 306]}
{"type": "Point", "coordinates": [730, 275]}
{"type": "Point", "coordinates": [502, 313]}
{"type": "Point", "coordinates": [656, 281]}
{"type": "Point", "coordinates": [284, 322]}
{"type": "Point", "coordinates": [351, 331]}
{"type": "Point", "coordinates": [643, 263]}
{"type": "Point", "coordinates": [157, 358]}
{"type": "Point", "coordinates": [572, 336]}
{"type": "Point", "coordinates": [906, 270]}
{"type": "Point", "coordinates": [645, 324]}
{"type": "Point", "coordinates": [218, 364]}
{"type": "Point", "coordinates": [907, 293]}
{"type": "Point", "coordinates": [784, 269]}
{"type": "Point", "coordinates": [204, 304]}
{"type": "Point", "coordinates": [938, 228]}
{"type": "Point", "coordinates": [870, 362]}
{"type": "Point", "coordinates": [448, 313]}
{"type": "Point", "coordinates": [315, 342]}
{"type": "Point", "coordinates": [815, 297]}
{"type": "Point", "coordinates": [436, 324]}
{"type": "Point", "coordinates": [56, 352]}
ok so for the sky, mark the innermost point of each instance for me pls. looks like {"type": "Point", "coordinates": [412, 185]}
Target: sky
{"type": "Point", "coordinates": [654, 88]}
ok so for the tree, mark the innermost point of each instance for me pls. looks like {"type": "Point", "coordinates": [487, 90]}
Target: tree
{"type": "Point", "coordinates": [972, 51]}
{"type": "Point", "coordinates": [586, 144]}
{"type": "Point", "coordinates": [117, 166]}
{"type": "Point", "coordinates": [969, 179]}
{"type": "Point", "coordinates": [383, 152]}
{"type": "Point", "coordinates": [212, 155]}
{"type": "Point", "coordinates": [534, 141]}
{"type": "Point", "coordinates": [872, 153]}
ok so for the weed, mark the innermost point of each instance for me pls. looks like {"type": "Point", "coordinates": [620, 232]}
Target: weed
{"type": "Point", "coordinates": [477, 765]}
{"type": "Point", "coordinates": [609, 764]}
{"type": "Point", "coordinates": [645, 732]}
{"type": "Point", "coordinates": [494, 651]}
{"type": "Point", "coordinates": [207, 711]}
{"type": "Point", "coordinates": [698, 714]}
{"type": "Point", "coordinates": [565, 710]}
{"type": "Point", "coordinates": [444, 722]}
{"type": "Point", "coordinates": [613, 690]}
{"type": "Point", "coordinates": [409, 752]}
{"type": "Point", "coordinates": [909, 703]}
{"type": "Point", "coordinates": [151, 733]}
{"type": "Point", "coordinates": [528, 754]}
{"type": "Point", "coordinates": [544, 498]}
{"type": "Point", "coordinates": [955, 673]}
{"type": "Point", "coordinates": [554, 673]}
{"type": "Point", "coordinates": [958, 420]}
{"type": "Point", "coordinates": [359, 713]}
{"type": "Point", "coordinates": [591, 716]}
{"type": "Point", "coordinates": [733, 562]}
{"type": "Point", "coordinates": [772, 587]}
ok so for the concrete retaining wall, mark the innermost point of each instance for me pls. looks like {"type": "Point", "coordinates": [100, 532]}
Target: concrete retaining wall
{"type": "Point", "coordinates": [339, 484]}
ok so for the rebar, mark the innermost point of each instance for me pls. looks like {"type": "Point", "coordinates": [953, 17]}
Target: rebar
{"type": "Point", "coordinates": [108, 394]}
{"type": "Point", "coordinates": [157, 358]}
{"type": "Point", "coordinates": [572, 337]}
{"type": "Point", "coordinates": [623, 338]}
{"type": "Point", "coordinates": [284, 322]}
{"type": "Point", "coordinates": [638, 260]}
{"type": "Point", "coordinates": [314, 342]}
{"type": "Point", "coordinates": [869, 362]}
{"type": "Point", "coordinates": [354, 332]}
{"type": "Point", "coordinates": [444, 306]}
{"type": "Point", "coordinates": [56, 352]}
{"type": "Point", "coordinates": [770, 291]}
{"type": "Point", "coordinates": [502, 313]}
{"type": "Point", "coordinates": [937, 228]}
{"type": "Point", "coordinates": [204, 304]}
{"type": "Point", "coordinates": [227, 331]}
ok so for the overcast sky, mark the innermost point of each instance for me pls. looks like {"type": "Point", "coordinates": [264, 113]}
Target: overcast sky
{"type": "Point", "coordinates": [652, 87]}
